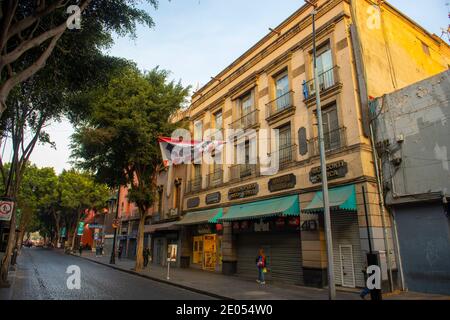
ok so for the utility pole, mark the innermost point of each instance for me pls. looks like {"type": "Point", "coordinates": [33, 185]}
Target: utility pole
{"type": "Point", "coordinates": [112, 260]}
{"type": "Point", "coordinates": [323, 164]}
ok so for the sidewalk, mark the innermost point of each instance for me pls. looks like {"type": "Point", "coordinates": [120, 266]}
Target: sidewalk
{"type": "Point", "coordinates": [236, 288]}
{"type": "Point", "coordinates": [221, 286]}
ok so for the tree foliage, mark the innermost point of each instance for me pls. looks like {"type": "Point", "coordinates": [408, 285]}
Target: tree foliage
{"type": "Point", "coordinates": [34, 33]}
{"type": "Point", "coordinates": [119, 141]}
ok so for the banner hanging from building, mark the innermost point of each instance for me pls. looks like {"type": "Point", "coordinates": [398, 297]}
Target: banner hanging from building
{"type": "Point", "coordinates": [177, 151]}
{"type": "Point", "coordinates": [80, 228]}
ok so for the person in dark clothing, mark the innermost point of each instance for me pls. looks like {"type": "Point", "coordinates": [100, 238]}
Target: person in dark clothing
{"type": "Point", "coordinates": [120, 251]}
{"type": "Point", "coordinates": [261, 265]}
{"type": "Point", "coordinates": [80, 248]}
{"type": "Point", "coordinates": [146, 256]}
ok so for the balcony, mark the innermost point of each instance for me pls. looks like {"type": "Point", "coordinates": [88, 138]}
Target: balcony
{"type": "Point", "coordinates": [327, 80]}
{"type": "Point", "coordinates": [334, 140]}
{"type": "Point", "coordinates": [243, 171]}
{"type": "Point", "coordinates": [215, 179]}
{"type": "Point", "coordinates": [246, 121]}
{"type": "Point", "coordinates": [282, 104]}
{"type": "Point", "coordinates": [286, 156]}
{"type": "Point", "coordinates": [194, 185]}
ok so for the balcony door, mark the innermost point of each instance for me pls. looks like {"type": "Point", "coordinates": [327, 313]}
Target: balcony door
{"type": "Point", "coordinates": [331, 132]}
{"type": "Point", "coordinates": [325, 67]}
{"type": "Point", "coordinates": [282, 91]}
{"type": "Point", "coordinates": [284, 146]}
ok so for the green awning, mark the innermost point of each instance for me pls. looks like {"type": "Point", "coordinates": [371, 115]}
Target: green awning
{"type": "Point", "coordinates": [341, 198]}
{"type": "Point", "coordinates": [200, 217]}
{"type": "Point", "coordinates": [286, 206]}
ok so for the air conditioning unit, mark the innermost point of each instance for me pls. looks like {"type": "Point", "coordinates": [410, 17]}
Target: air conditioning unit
{"type": "Point", "coordinates": [173, 212]}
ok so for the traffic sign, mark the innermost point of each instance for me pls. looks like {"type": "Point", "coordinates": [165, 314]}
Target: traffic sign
{"type": "Point", "coordinates": [6, 210]}
{"type": "Point", "coordinates": [116, 223]}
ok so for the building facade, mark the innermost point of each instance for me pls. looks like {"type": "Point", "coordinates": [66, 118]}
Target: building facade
{"type": "Point", "coordinates": [163, 230]}
{"type": "Point", "coordinates": [233, 204]}
{"type": "Point", "coordinates": [412, 136]}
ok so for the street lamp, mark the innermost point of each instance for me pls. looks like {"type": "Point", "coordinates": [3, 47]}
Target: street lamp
{"type": "Point", "coordinates": [323, 163]}
{"type": "Point", "coordinates": [113, 202]}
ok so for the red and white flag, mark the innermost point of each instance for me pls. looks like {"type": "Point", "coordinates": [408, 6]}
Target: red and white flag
{"type": "Point", "coordinates": [178, 151]}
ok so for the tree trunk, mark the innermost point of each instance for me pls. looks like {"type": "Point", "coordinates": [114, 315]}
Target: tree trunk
{"type": "Point", "coordinates": [140, 244]}
{"type": "Point", "coordinates": [75, 235]}
{"type": "Point", "coordinates": [9, 249]}
{"type": "Point", "coordinates": [19, 240]}
{"type": "Point", "coordinates": [58, 227]}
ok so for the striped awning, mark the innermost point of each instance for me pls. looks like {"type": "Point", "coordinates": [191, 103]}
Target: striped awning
{"type": "Point", "coordinates": [201, 217]}
{"type": "Point", "coordinates": [286, 206]}
{"type": "Point", "coordinates": [341, 198]}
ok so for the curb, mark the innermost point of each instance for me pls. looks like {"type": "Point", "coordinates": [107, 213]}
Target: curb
{"type": "Point", "coordinates": [200, 291]}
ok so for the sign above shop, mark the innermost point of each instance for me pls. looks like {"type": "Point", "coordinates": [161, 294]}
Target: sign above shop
{"type": "Point", "coordinates": [248, 190]}
{"type": "Point", "coordinates": [193, 202]}
{"type": "Point", "coordinates": [262, 227]}
{"type": "Point", "coordinates": [335, 170]}
{"type": "Point", "coordinates": [282, 183]}
{"type": "Point", "coordinates": [95, 226]}
{"type": "Point", "coordinates": [204, 229]}
{"type": "Point", "coordinates": [213, 198]}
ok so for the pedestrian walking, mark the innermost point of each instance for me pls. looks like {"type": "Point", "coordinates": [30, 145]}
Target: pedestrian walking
{"type": "Point", "coordinates": [146, 256]}
{"type": "Point", "coordinates": [261, 265]}
{"type": "Point", "coordinates": [120, 252]}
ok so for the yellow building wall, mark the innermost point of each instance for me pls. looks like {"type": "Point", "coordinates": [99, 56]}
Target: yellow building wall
{"type": "Point", "coordinates": [392, 47]}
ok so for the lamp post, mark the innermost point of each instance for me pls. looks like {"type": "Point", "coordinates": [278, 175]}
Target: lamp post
{"type": "Point", "coordinates": [112, 201]}
{"type": "Point", "coordinates": [323, 163]}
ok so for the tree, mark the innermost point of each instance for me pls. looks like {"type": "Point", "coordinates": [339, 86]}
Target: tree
{"type": "Point", "coordinates": [43, 98]}
{"type": "Point", "coordinates": [31, 30]}
{"type": "Point", "coordinates": [119, 141]}
{"type": "Point", "coordinates": [79, 192]}
{"type": "Point", "coordinates": [38, 189]}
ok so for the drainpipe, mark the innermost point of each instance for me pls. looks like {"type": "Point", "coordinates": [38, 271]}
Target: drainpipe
{"type": "Point", "coordinates": [397, 251]}
{"type": "Point", "coordinates": [381, 204]}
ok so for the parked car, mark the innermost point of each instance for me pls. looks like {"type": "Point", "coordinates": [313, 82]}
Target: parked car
{"type": "Point", "coordinates": [28, 243]}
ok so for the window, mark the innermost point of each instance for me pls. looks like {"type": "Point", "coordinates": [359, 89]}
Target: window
{"type": "Point", "coordinates": [324, 67]}
{"type": "Point", "coordinates": [218, 120]}
{"type": "Point", "coordinates": [284, 147]}
{"type": "Point", "coordinates": [331, 130]}
{"type": "Point", "coordinates": [198, 130]}
{"type": "Point", "coordinates": [281, 91]}
{"type": "Point", "coordinates": [176, 195]}
{"type": "Point", "coordinates": [246, 104]}
{"type": "Point", "coordinates": [197, 171]}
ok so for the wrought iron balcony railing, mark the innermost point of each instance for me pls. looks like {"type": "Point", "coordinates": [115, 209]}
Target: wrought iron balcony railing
{"type": "Point", "coordinates": [285, 155]}
{"type": "Point", "coordinates": [243, 171]}
{"type": "Point", "coordinates": [327, 79]}
{"type": "Point", "coordinates": [215, 179]}
{"type": "Point", "coordinates": [246, 121]}
{"type": "Point", "coordinates": [333, 140]}
{"type": "Point", "coordinates": [194, 185]}
{"type": "Point", "coordinates": [280, 104]}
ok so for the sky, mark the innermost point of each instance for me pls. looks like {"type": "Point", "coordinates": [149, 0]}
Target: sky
{"type": "Point", "coordinates": [196, 39]}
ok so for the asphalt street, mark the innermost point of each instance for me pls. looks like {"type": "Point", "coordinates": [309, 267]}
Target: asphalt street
{"type": "Point", "coordinates": [41, 275]}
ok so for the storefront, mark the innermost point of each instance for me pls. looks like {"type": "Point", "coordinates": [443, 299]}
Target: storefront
{"type": "Point", "coordinates": [349, 261]}
{"type": "Point", "coordinates": [204, 237]}
{"type": "Point", "coordinates": [165, 241]}
{"type": "Point", "coordinates": [274, 226]}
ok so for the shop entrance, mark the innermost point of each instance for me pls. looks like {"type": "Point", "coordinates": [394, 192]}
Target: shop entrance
{"type": "Point", "coordinates": [205, 251]}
